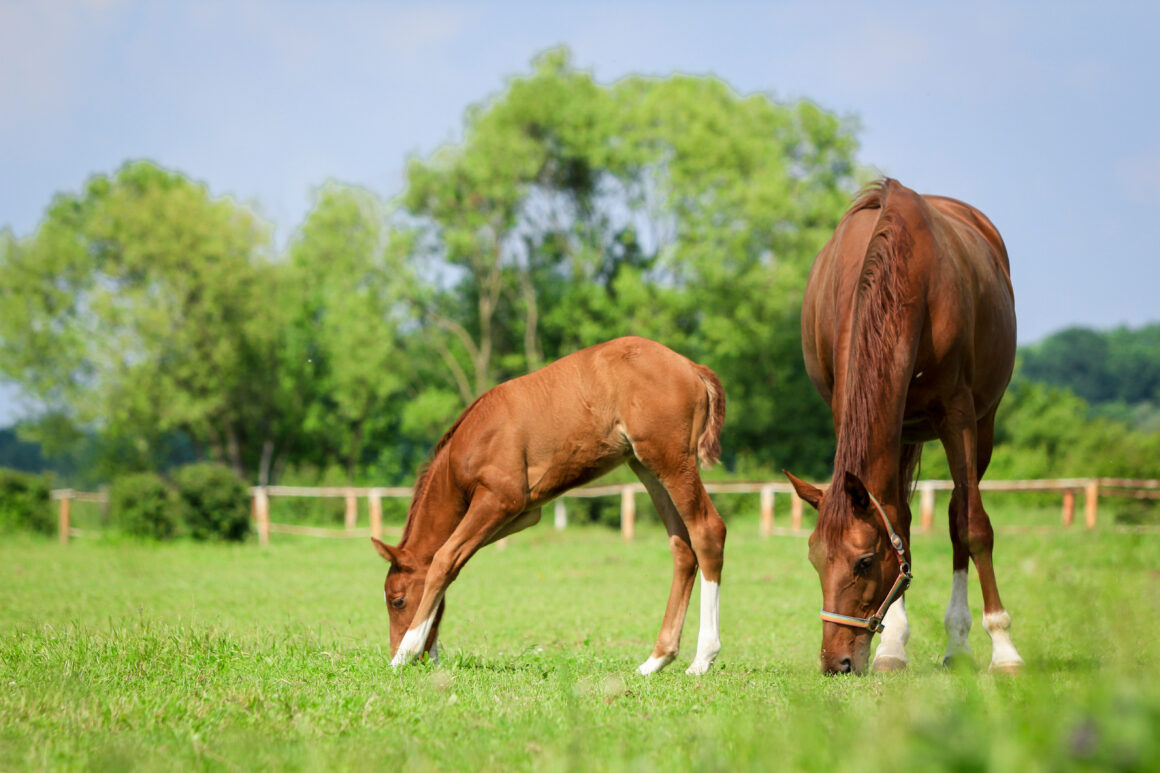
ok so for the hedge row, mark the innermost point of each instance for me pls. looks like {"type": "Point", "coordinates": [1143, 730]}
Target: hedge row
{"type": "Point", "coordinates": [204, 501]}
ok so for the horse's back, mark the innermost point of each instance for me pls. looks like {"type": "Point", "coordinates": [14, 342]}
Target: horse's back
{"type": "Point", "coordinates": [959, 274]}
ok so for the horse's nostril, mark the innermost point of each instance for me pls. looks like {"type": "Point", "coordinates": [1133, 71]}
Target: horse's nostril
{"type": "Point", "coordinates": [845, 665]}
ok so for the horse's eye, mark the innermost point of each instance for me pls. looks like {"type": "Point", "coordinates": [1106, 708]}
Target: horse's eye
{"type": "Point", "coordinates": [399, 602]}
{"type": "Point", "coordinates": [863, 564]}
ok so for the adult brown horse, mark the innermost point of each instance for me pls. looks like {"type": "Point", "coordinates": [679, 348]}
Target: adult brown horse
{"type": "Point", "coordinates": [529, 440]}
{"type": "Point", "coordinates": [908, 331]}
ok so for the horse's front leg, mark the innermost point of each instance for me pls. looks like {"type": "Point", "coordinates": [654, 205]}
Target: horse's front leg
{"type": "Point", "coordinates": [968, 447]}
{"type": "Point", "coordinates": [487, 515]}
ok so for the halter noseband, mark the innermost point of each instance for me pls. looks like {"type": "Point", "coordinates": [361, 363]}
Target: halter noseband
{"type": "Point", "coordinates": [901, 583]}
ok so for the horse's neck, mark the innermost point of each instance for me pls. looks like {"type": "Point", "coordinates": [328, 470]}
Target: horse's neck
{"type": "Point", "coordinates": [435, 511]}
{"type": "Point", "coordinates": [869, 433]}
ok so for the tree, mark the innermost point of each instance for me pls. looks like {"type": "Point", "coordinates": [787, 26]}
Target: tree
{"type": "Point", "coordinates": [346, 342]}
{"type": "Point", "coordinates": [138, 309]}
{"type": "Point", "coordinates": [573, 212]}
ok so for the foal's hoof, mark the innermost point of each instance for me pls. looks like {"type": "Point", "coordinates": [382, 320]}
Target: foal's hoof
{"type": "Point", "coordinates": [885, 664]}
{"type": "Point", "coordinates": [1011, 668]}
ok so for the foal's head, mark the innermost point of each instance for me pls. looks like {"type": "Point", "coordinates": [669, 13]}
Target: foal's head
{"type": "Point", "coordinates": [858, 565]}
{"type": "Point", "coordinates": [402, 590]}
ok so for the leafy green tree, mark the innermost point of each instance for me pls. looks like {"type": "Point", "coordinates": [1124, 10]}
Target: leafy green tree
{"type": "Point", "coordinates": [138, 309]}
{"type": "Point", "coordinates": [573, 212]}
{"type": "Point", "coordinates": [346, 362]}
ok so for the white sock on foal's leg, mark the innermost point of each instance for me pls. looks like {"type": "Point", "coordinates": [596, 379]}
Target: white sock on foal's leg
{"type": "Point", "coordinates": [654, 664]}
{"type": "Point", "coordinates": [413, 640]}
{"type": "Point", "coordinates": [957, 620]}
{"type": "Point", "coordinates": [891, 652]}
{"type": "Point", "coordinates": [709, 637]}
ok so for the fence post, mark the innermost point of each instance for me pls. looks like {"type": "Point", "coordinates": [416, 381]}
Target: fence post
{"type": "Point", "coordinates": [627, 512]}
{"type": "Point", "coordinates": [795, 511]}
{"type": "Point", "coordinates": [559, 515]}
{"type": "Point", "coordinates": [376, 508]}
{"type": "Point", "coordinates": [65, 507]}
{"type": "Point", "coordinates": [766, 511]}
{"type": "Point", "coordinates": [1068, 507]}
{"type": "Point", "coordinates": [262, 515]}
{"type": "Point", "coordinates": [350, 518]}
{"type": "Point", "coordinates": [1091, 496]}
{"type": "Point", "coordinates": [926, 505]}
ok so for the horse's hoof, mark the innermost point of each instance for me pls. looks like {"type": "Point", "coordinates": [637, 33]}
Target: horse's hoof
{"type": "Point", "coordinates": [885, 664]}
{"type": "Point", "coordinates": [1011, 668]}
{"type": "Point", "coordinates": [959, 662]}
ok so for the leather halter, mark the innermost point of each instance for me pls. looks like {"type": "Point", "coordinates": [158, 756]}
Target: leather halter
{"type": "Point", "coordinates": [901, 583]}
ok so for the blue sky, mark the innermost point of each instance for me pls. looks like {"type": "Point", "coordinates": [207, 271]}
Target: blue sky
{"type": "Point", "coordinates": [1045, 115]}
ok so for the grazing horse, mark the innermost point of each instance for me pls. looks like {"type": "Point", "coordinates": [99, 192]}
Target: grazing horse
{"type": "Point", "coordinates": [529, 440]}
{"type": "Point", "coordinates": [908, 332]}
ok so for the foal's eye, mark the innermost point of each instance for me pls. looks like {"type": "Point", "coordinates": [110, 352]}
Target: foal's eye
{"type": "Point", "coordinates": [863, 564]}
{"type": "Point", "coordinates": [399, 602]}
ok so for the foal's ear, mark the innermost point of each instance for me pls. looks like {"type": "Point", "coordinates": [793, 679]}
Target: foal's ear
{"type": "Point", "coordinates": [392, 556]}
{"type": "Point", "coordinates": [811, 494]}
{"type": "Point", "coordinates": [856, 490]}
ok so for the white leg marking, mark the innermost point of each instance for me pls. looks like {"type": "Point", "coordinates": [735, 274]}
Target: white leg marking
{"type": "Point", "coordinates": [895, 634]}
{"type": "Point", "coordinates": [958, 617]}
{"type": "Point", "coordinates": [413, 640]}
{"type": "Point", "coordinates": [1003, 653]}
{"type": "Point", "coordinates": [709, 637]}
{"type": "Point", "coordinates": [654, 664]}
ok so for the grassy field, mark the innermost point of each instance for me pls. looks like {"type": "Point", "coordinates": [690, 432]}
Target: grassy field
{"type": "Point", "coordinates": [119, 656]}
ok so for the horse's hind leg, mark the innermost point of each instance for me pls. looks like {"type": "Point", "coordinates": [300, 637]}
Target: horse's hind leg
{"type": "Point", "coordinates": [684, 572]}
{"type": "Point", "coordinates": [968, 447]}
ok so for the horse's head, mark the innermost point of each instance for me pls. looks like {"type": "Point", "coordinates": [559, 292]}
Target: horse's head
{"type": "Point", "coordinates": [402, 590]}
{"type": "Point", "coordinates": [862, 564]}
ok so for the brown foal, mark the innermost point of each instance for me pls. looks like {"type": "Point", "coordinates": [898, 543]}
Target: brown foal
{"type": "Point", "coordinates": [529, 440]}
{"type": "Point", "coordinates": [908, 331]}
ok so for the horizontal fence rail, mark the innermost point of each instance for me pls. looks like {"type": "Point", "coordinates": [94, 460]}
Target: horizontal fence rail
{"type": "Point", "coordinates": [1091, 488]}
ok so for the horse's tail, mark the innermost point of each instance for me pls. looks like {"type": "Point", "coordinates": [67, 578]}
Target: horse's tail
{"type": "Point", "coordinates": [709, 443]}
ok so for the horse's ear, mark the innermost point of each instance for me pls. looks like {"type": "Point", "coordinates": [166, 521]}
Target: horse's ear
{"type": "Point", "coordinates": [811, 494]}
{"type": "Point", "coordinates": [856, 490]}
{"type": "Point", "coordinates": [392, 556]}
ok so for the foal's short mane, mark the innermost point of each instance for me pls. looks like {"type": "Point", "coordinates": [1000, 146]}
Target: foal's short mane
{"type": "Point", "coordinates": [877, 331]}
{"type": "Point", "coordinates": [422, 478]}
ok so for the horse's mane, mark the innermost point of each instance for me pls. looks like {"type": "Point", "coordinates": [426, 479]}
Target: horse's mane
{"type": "Point", "coordinates": [878, 327]}
{"type": "Point", "coordinates": [423, 476]}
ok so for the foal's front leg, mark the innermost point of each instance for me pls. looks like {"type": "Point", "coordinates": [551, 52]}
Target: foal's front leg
{"type": "Point", "coordinates": [486, 516]}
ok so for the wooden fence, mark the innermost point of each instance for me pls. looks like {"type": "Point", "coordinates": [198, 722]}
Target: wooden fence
{"type": "Point", "coordinates": [1091, 488]}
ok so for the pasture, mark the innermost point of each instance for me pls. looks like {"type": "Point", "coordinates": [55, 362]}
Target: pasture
{"type": "Point", "coordinates": [121, 655]}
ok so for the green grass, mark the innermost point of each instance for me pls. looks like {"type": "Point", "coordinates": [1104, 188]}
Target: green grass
{"type": "Point", "coordinates": [118, 655]}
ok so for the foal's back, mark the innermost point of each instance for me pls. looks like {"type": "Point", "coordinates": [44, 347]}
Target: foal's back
{"type": "Point", "coordinates": [579, 417]}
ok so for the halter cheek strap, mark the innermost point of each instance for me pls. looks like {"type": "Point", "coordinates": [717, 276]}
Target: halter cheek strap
{"type": "Point", "coordinates": [901, 583]}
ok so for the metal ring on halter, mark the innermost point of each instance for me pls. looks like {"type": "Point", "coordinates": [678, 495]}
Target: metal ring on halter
{"type": "Point", "coordinates": [901, 583]}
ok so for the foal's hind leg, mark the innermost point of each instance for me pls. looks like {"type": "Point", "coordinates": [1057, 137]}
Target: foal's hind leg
{"type": "Point", "coordinates": [684, 572]}
{"type": "Point", "coordinates": [968, 447]}
{"type": "Point", "coordinates": [706, 535]}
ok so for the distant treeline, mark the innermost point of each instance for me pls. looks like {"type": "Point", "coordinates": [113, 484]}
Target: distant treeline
{"type": "Point", "coordinates": [1117, 372]}
{"type": "Point", "coordinates": [153, 325]}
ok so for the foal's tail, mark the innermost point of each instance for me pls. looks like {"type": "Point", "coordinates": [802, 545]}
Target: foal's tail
{"type": "Point", "coordinates": [709, 443]}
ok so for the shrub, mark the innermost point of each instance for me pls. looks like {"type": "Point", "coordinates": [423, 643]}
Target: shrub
{"type": "Point", "coordinates": [24, 502]}
{"type": "Point", "coordinates": [214, 501]}
{"type": "Point", "coordinates": [142, 505]}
